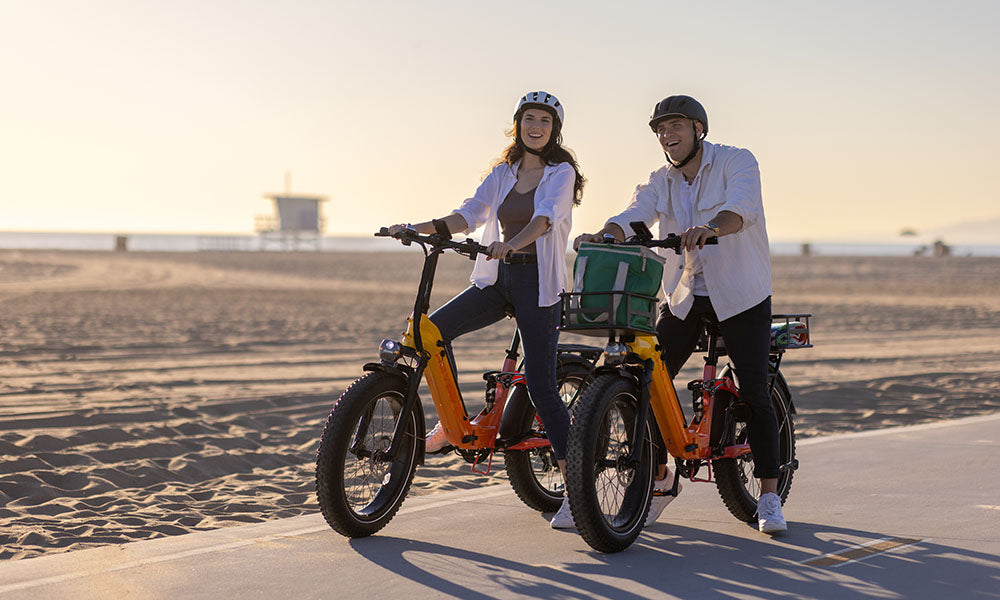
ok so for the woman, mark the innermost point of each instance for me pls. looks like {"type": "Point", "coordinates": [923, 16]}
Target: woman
{"type": "Point", "coordinates": [525, 204]}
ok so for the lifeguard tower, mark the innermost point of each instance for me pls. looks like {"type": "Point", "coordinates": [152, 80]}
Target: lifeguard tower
{"type": "Point", "coordinates": [297, 221]}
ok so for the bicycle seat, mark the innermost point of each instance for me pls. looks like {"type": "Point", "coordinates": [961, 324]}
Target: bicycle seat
{"type": "Point", "coordinates": [710, 328]}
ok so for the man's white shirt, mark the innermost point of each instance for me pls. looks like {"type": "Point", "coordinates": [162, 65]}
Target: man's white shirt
{"type": "Point", "coordinates": [737, 272]}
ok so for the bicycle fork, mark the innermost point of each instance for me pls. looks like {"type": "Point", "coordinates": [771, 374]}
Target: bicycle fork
{"type": "Point", "coordinates": [438, 379]}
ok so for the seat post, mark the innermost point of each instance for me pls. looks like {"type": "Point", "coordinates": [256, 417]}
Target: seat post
{"type": "Point", "coordinates": [712, 329]}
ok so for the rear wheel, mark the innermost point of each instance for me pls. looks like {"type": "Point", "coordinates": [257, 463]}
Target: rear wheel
{"type": "Point", "coordinates": [737, 486]}
{"type": "Point", "coordinates": [534, 474]}
{"type": "Point", "coordinates": [358, 488]}
{"type": "Point", "coordinates": [609, 476]}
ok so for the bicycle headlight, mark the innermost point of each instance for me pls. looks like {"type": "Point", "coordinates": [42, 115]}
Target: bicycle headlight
{"type": "Point", "coordinates": [390, 351]}
{"type": "Point", "coordinates": [614, 354]}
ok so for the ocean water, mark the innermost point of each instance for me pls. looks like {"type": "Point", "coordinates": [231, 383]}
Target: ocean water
{"type": "Point", "coordinates": [187, 242]}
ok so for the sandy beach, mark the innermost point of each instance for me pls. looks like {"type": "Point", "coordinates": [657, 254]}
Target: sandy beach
{"type": "Point", "coordinates": [152, 394]}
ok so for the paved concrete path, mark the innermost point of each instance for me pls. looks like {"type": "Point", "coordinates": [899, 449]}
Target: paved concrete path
{"type": "Point", "coordinates": [910, 512]}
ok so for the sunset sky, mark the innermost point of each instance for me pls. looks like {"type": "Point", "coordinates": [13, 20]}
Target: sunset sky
{"type": "Point", "coordinates": [177, 116]}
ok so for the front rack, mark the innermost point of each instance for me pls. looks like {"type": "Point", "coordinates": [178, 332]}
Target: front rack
{"type": "Point", "coordinates": [608, 313]}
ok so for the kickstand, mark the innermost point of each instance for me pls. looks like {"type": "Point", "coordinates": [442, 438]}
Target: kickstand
{"type": "Point", "coordinates": [677, 477]}
{"type": "Point", "coordinates": [489, 464]}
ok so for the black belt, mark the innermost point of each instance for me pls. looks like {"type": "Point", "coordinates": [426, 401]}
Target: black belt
{"type": "Point", "coordinates": [521, 259]}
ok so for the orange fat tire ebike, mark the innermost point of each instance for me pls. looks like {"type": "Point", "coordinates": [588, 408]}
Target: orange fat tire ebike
{"type": "Point", "coordinates": [610, 455]}
{"type": "Point", "coordinates": [374, 437]}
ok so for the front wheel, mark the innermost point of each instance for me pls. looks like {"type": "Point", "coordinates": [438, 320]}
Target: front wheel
{"type": "Point", "coordinates": [534, 474]}
{"type": "Point", "coordinates": [358, 488]}
{"type": "Point", "coordinates": [734, 476]}
{"type": "Point", "coordinates": [609, 476]}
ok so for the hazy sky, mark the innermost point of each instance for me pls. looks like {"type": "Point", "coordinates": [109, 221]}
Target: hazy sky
{"type": "Point", "coordinates": [174, 115]}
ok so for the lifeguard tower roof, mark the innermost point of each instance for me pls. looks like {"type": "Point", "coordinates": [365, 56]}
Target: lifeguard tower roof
{"type": "Point", "coordinates": [297, 220]}
{"type": "Point", "coordinates": [297, 212]}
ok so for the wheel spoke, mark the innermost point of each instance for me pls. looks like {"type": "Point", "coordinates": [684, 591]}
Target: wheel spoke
{"type": "Point", "coordinates": [612, 475]}
{"type": "Point", "coordinates": [364, 473]}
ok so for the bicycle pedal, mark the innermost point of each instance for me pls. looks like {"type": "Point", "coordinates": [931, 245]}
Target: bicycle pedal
{"type": "Point", "coordinates": [791, 466]}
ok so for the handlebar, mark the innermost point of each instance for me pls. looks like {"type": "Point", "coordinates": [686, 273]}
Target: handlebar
{"type": "Point", "coordinates": [442, 240]}
{"type": "Point", "coordinates": [672, 241]}
{"type": "Point", "coordinates": [643, 237]}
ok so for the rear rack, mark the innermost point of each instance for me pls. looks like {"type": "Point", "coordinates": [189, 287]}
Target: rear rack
{"type": "Point", "coordinates": [788, 332]}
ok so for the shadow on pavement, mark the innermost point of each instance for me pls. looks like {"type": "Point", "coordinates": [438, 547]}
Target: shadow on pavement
{"type": "Point", "coordinates": [687, 562]}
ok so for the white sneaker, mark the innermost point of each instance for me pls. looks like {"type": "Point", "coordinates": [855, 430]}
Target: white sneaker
{"type": "Point", "coordinates": [563, 519]}
{"type": "Point", "coordinates": [435, 441]}
{"type": "Point", "coordinates": [769, 517]}
{"type": "Point", "coordinates": [661, 498]}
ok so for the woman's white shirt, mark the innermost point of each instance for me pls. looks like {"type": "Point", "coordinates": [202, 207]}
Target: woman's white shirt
{"type": "Point", "coordinates": [553, 199]}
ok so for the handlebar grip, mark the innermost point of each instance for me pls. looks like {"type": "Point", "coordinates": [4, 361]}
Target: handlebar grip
{"type": "Point", "coordinates": [383, 232]}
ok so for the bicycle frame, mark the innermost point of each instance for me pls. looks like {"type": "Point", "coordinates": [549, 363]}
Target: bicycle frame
{"type": "Point", "coordinates": [434, 363]}
{"type": "Point", "coordinates": [637, 353]}
{"type": "Point", "coordinates": [691, 441]}
{"type": "Point", "coordinates": [461, 432]}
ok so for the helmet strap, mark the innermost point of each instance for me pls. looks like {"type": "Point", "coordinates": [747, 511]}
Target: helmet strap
{"type": "Point", "coordinates": [544, 152]}
{"type": "Point", "coordinates": [691, 155]}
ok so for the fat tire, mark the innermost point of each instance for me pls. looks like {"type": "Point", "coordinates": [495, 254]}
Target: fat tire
{"type": "Point", "coordinates": [387, 484]}
{"type": "Point", "coordinates": [734, 476]}
{"type": "Point", "coordinates": [527, 469]}
{"type": "Point", "coordinates": [608, 528]}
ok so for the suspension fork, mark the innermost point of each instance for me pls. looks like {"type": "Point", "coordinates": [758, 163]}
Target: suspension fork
{"type": "Point", "coordinates": [408, 406]}
{"type": "Point", "coordinates": [639, 427]}
{"type": "Point", "coordinates": [412, 377]}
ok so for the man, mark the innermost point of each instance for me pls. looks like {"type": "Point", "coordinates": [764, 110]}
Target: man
{"type": "Point", "coordinates": [709, 190]}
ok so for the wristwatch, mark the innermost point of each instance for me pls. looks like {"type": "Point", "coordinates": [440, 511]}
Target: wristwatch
{"type": "Point", "coordinates": [711, 225]}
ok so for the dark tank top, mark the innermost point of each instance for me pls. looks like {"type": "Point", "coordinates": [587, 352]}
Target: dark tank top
{"type": "Point", "coordinates": [515, 212]}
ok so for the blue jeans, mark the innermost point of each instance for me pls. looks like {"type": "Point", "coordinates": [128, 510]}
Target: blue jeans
{"type": "Point", "coordinates": [516, 291]}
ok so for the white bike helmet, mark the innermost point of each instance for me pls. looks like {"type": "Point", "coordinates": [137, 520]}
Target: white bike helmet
{"type": "Point", "coordinates": [542, 100]}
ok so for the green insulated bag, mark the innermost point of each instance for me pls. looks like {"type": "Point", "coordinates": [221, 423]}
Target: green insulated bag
{"type": "Point", "coordinates": [632, 273]}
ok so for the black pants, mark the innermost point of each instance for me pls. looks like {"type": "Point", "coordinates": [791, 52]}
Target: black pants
{"type": "Point", "coordinates": [748, 340]}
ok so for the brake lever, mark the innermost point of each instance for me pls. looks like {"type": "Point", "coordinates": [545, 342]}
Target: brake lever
{"type": "Point", "coordinates": [406, 236]}
{"type": "Point", "coordinates": [473, 251]}
{"type": "Point", "coordinates": [677, 248]}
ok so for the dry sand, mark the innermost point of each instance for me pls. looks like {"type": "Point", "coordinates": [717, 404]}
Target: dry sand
{"type": "Point", "coordinates": [145, 394]}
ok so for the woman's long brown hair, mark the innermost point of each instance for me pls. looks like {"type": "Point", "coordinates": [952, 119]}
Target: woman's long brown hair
{"type": "Point", "coordinates": [553, 153]}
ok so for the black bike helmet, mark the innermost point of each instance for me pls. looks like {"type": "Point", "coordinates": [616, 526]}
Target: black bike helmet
{"type": "Point", "coordinates": [679, 106]}
{"type": "Point", "coordinates": [685, 107]}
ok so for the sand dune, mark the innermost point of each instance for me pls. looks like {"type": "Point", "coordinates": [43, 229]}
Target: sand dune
{"type": "Point", "coordinates": [147, 394]}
